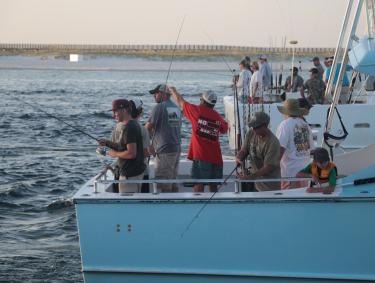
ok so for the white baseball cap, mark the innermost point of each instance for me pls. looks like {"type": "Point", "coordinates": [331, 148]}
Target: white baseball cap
{"type": "Point", "coordinates": [138, 103]}
{"type": "Point", "coordinates": [210, 97]}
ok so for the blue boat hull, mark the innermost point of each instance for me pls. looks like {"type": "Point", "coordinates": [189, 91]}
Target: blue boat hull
{"type": "Point", "coordinates": [241, 240]}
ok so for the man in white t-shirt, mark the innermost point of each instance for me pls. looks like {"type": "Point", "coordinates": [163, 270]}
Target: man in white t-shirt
{"type": "Point", "coordinates": [296, 141]}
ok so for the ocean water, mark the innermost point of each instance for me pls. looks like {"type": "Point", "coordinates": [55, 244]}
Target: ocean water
{"type": "Point", "coordinates": [43, 161]}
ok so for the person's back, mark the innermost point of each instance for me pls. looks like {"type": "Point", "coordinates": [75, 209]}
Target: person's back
{"type": "Point", "coordinates": [207, 125]}
{"type": "Point", "coordinates": [295, 136]}
{"type": "Point", "coordinates": [266, 74]}
{"type": "Point", "coordinates": [167, 123]}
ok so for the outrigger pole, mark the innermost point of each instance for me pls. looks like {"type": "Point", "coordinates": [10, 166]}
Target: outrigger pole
{"type": "Point", "coordinates": [57, 118]}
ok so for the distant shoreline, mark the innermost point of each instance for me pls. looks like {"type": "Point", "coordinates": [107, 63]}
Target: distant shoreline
{"type": "Point", "coordinates": [156, 50]}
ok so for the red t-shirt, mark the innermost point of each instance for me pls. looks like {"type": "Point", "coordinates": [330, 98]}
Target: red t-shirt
{"type": "Point", "coordinates": [207, 126]}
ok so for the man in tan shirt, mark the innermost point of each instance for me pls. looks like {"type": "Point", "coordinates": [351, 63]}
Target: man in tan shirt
{"type": "Point", "coordinates": [263, 150]}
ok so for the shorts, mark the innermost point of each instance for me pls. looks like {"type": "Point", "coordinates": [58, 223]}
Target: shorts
{"type": "Point", "coordinates": [205, 170]}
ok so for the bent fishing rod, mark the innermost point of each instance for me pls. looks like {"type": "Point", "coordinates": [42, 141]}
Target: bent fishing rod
{"type": "Point", "coordinates": [57, 118]}
{"type": "Point", "coordinates": [196, 216]}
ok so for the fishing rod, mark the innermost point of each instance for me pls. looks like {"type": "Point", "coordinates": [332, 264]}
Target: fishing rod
{"type": "Point", "coordinates": [168, 73]}
{"type": "Point", "coordinates": [57, 118]}
{"type": "Point", "coordinates": [174, 50]}
{"type": "Point", "coordinates": [206, 203]}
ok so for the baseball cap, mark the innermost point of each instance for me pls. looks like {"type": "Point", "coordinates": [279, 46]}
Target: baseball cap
{"type": "Point", "coordinates": [160, 88]}
{"type": "Point", "coordinates": [315, 59]}
{"type": "Point", "coordinates": [263, 57]}
{"type": "Point", "coordinates": [120, 104]}
{"type": "Point", "coordinates": [314, 70]}
{"type": "Point", "coordinates": [259, 119]}
{"type": "Point", "coordinates": [210, 97]}
{"type": "Point", "coordinates": [137, 103]}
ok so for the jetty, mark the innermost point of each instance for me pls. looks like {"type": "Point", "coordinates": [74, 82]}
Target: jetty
{"type": "Point", "coordinates": [158, 50]}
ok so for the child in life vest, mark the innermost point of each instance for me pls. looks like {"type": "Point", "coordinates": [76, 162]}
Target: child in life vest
{"type": "Point", "coordinates": [322, 171]}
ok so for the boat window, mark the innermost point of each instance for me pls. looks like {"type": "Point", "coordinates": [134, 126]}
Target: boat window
{"type": "Point", "coordinates": [315, 126]}
{"type": "Point", "coordinates": [362, 125]}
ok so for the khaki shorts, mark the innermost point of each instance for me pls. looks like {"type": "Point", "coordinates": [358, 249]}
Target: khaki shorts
{"type": "Point", "coordinates": [130, 188]}
{"type": "Point", "coordinates": [166, 167]}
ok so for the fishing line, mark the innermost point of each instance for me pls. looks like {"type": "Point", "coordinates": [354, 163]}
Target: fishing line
{"type": "Point", "coordinates": [166, 80]}
{"type": "Point", "coordinates": [174, 50]}
{"type": "Point", "coordinates": [232, 71]}
{"type": "Point", "coordinates": [206, 203]}
{"type": "Point", "coordinates": [55, 117]}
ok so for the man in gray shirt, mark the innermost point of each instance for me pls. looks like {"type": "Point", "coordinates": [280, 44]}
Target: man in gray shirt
{"type": "Point", "coordinates": [265, 72]}
{"type": "Point", "coordinates": [319, 66]}
{"type": "Point", "coordinates": [165, 122]}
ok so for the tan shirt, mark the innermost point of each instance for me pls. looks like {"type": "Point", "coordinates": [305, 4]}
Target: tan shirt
{"type": "Point", "coordinates": [261, 152]}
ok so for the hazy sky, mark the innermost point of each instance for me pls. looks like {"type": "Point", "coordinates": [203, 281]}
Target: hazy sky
{"type": "Point", "coordinates": [314, 23]}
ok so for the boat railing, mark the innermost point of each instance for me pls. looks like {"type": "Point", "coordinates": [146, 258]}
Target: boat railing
{"type": "Point", "coordinates": [101, 178]}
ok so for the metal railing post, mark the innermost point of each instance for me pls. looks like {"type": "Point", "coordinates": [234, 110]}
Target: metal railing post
{"type": "Point", "coordinates": [155, 188]}
{"type": "Point", "coordinates": [236, 187]}
{"type": "Point", "coordinates": [95, 186]}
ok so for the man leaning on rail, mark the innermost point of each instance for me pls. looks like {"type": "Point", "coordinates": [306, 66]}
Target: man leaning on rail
{"type": "Point", "coordinates": [263, 150]}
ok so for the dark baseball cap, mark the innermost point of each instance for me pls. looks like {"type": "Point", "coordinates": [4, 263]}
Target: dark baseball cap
{"type": "Point", "coordinates": [160, 88]}
{"type": "Point", "coordinates": [315, 59]}
{"type": "Point", "coordinates": [314, 70]}
{"type": "Point", "coordinates": [259, 119]}
{"type": "Point", "coordinates": [120, 104]}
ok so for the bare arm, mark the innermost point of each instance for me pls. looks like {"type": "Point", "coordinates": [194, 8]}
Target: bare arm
{"type": "Point", "coordinates": [130, 153]}
{"type": "Point", "coordinates": [282, 150]}
{"type": "Point", "coordinates": [177, 97]}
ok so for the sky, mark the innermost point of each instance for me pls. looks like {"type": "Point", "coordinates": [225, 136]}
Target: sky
{"type": "Point", "coordinates": [314, 23]}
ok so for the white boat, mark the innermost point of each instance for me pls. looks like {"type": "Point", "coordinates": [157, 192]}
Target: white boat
{"type": "Point", "coordinates": [233, 236]}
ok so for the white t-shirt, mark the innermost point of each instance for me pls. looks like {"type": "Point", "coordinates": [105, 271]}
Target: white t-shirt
{"type": "Point", "coordinates": [256, 78]}
{"type": "Point", "coordinates": [296, 137]}
{"type": "Point", "coordinates": [243, 83]}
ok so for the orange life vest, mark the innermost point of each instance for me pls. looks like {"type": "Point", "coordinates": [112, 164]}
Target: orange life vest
{"type": "Point", "coordinates": [322, 174]}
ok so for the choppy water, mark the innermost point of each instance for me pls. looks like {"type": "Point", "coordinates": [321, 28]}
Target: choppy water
{"type": "Point", "coordinates": [43, 162]}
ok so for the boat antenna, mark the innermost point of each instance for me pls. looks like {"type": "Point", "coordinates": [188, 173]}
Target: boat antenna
{"type": "Point", "coordinates": [196, 216]}
{"type": "Point", "coordinates": [55, 117]}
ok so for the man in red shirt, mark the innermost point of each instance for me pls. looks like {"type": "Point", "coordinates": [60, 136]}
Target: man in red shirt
{"type": "Point", "coordinates": [204, 149]}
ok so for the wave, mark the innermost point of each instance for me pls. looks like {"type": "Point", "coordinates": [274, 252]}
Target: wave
{"type": "Point", "coordinates": [60, 204]}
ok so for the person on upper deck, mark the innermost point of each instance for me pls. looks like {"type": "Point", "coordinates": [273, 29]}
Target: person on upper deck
{"type": "Point", "coordinates": [126, 145]}
{"type": "Point", "coordinates": [345, 81]}
{"type": "Point", "coordinates": [296, 141]}
{"type": "Point", "coordinates": [316, 62]}
{"type": "Point", "coordinates": [263, 149]}
{"type": "Point", "coordinates": [315, 87]}
{"type": "Point", "coordinates": [265, 72]}
{"type": "Point", "coordinates": [204, 149]}
{"type": "Point", "coordinates": [243, 83]}
{"type": "Point", "coordinates": [256, 89]}
{"type": "Point", "coordinates": [322, 171]}
{"type": "Point", "coordinates": [297, 81]}
{"type": "Point", "coordinates": [137, 111]}
{"type": "Point", "coordinates": [165, 124]}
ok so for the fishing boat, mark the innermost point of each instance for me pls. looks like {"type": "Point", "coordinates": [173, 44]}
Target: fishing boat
{"type": "Point", "coordinates": [233, 236]}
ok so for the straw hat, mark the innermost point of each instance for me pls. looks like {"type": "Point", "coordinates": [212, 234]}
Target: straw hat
{"type": "Point", "coordinates": [291, 108]}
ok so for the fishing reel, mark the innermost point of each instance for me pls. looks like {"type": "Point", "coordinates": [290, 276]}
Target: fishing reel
{"type": "Point", "coordinates": [101, 151]}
